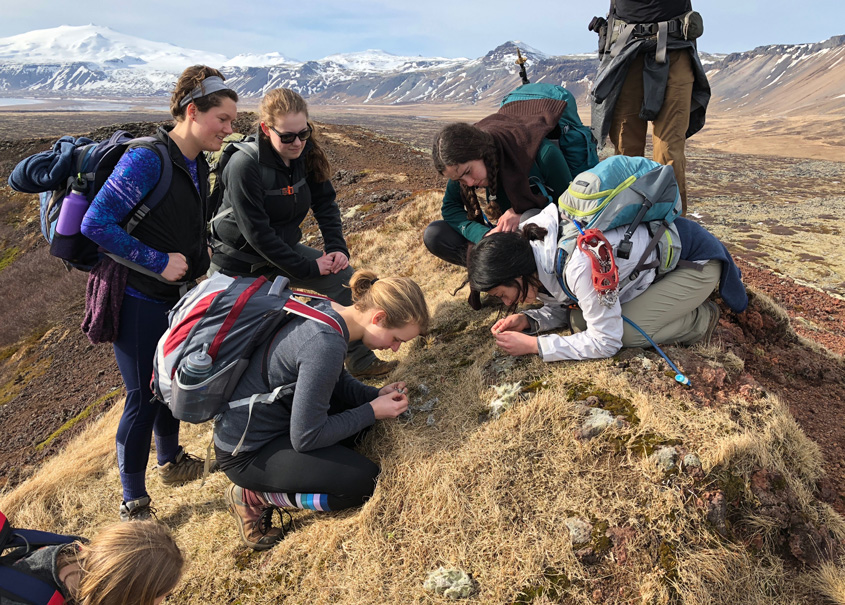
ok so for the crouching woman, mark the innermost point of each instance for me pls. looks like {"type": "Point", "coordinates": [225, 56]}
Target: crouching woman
{"type": "Point", "coordinates": [519, 267]}
{"type": "Point", "coordinates": [299, 451]}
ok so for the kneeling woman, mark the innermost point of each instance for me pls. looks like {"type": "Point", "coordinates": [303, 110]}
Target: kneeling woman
{"type": "Point", "coordinates": [519, 268]}
{"type": "Point", "coordinates": [298, 452]}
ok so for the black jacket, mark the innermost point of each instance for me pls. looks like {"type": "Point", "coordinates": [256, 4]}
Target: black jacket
{"type": "Point", "coordinates": [265, 222]}
{"type": "Point", "coordinates": [177, 224]}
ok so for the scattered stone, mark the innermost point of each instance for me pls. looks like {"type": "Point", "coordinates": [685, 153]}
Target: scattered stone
{"type": "Point", "coordinates": [427, 406]}
{"type": "Point", "coordinates": [716, 510]}
{"type": "Point", "coordinates": [691, 461]}
{"type": "Point", "coordinates": [430, 420]}
{"type": "Point", "coordinates": [620, 537]}
{"type": "Point", "coordinates": [451, 583]}
{"type": "Point", "coordinates": [506, 395]}
{"type": "Point", "coordinates": [598, 420]}
{"type": "Point", "coordinates": [666, 458]}
{"type": "Point", "coordinates": [580, 531]}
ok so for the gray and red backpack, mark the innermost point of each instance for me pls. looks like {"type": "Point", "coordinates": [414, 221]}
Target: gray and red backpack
{"type": "Point", "coordinates": [226, 319]}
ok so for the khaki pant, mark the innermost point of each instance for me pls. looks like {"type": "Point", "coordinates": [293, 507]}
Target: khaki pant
{"type": "Point", "coordinates": [628, 130]}
{"type": "Point", "coordinates": [671, 311]}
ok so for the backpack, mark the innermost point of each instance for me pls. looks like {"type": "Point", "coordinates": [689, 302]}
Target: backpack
{"type": "Point", "coordinates": [576, 141]}
{"type": "Point", "coordinates": [227, 319]}
{"type": "Point", "coordinates": [217, 163]}
{"type": "Point", "coordinates": [16, 583]}
{"type": "Point", "coordinates": [623, 191]}
{"type": "Point", "coordinates": [84, 165]}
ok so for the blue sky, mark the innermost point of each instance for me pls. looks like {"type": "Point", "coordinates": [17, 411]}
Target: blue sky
{"type": "Point", "coordinates": [317, 28]}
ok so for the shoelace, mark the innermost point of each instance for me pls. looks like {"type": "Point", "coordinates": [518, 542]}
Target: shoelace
{"type": "Point", "coordinates": [265, 521]}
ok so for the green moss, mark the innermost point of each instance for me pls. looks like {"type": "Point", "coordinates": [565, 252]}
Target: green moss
{"type": "Point", "coordinates": [598, 538]}
{"type": "Point", "coordinates": [366, 207]}
{"type": "Point", "coordinates": [647, 443]}
{"type": "Point", "coordinates": [618, 406]}
{"type": "Point", "coordinates": [554, 587]}
{"type": "Point", "coordinates": [8, 256]}
{"type": "Point", "coordinates": [668, 561]}
{"type": "Point", "coordinates": [76, 419]}
{"type": "Point", "coordinates": [13, 387]}
{"type": "Point", "coordinates": [732, 485]}
{"type": "Point", "coordinates": [537, 385]}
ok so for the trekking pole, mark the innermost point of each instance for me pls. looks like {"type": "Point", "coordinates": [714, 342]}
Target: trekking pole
{"type": "Point", "coordinates": [520, 60]}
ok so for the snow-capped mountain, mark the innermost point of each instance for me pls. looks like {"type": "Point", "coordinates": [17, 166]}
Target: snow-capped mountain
{"type": "Point", "coordinates": [92, 61]}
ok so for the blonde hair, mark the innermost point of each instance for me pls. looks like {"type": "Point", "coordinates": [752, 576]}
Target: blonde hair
{"type": "Point", "coordinates": [400, 298]}
{"type": "Point", "coordinates": [281, 102]}
{"type": "Point", "coordinates": [131, 563]}
{"type": "Point", "coordinates": [192, 79]}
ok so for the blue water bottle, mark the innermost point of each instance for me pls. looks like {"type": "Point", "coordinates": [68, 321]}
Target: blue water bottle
{"type": "Point", "coordinates": [197, 367]}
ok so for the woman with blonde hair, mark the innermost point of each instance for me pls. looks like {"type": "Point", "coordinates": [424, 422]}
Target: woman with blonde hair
{"type": "Point", "coordinates": [268, 187]}
{"type": "Point", "coordinates": [169, 249]}
{"type": "Point", "coordinates": [298, 451]}
{"type": "Point", "coordinates": [125, 564]}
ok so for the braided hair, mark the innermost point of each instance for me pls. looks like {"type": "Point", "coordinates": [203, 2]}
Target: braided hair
{"type": "Point", "coordinates": [459, 143]}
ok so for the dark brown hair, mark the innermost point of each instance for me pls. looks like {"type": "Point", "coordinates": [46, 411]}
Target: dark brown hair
{"type": "Point", "coordinates": [281, 102]}
{"type": "Point", "coordinates": [458, 143]}
{"type": "Point", "coordinates": [191, 79]}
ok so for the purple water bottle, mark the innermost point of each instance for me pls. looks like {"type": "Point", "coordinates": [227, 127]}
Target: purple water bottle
{"type": "Point", "coordinates": [73, 209]}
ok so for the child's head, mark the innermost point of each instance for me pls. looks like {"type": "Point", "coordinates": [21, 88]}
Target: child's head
{"type": "Point", "coordinates": [397, 304]}
{"type": "Point", "coordinates": [134, 563]}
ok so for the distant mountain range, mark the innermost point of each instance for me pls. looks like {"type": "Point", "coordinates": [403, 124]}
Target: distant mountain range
{"type": "Point", "coordinates": [93, 61]}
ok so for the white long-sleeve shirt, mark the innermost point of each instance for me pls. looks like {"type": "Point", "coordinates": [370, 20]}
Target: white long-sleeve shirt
{"type": "Point", "coordinates": [603, 336]}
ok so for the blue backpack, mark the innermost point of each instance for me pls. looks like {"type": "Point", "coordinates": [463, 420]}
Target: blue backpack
{"type": "Point", "coordinates": [20, 585]}
{"type": "Point", "coordinates": [576, 141]}
{"type": "Point", "coordinates": [85, 165]}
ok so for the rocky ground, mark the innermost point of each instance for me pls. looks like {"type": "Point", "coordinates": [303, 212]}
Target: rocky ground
{"type": "Point", "coordinates": [779, 216]}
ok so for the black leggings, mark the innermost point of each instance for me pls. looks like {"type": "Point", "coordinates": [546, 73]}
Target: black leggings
{"type": "Point", "coordinates": [446, 243]}
{"type": "Point", "coordinates": [338, 474]}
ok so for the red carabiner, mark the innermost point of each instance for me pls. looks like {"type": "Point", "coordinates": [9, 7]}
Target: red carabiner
{"type": "Point", "coordinates": [605, 274]}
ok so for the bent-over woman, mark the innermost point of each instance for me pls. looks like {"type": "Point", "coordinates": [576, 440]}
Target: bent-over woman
{"type": "Point", "coordinates": [299, 451]}
{"type": "Point", "coordinates": [507, 155]}
{"type": "Point", "coordinates": [170, 245]}
{"type": "Point", "coordinates": [519, 267]}
{"type": "Point", "coordinates": [267, 193]}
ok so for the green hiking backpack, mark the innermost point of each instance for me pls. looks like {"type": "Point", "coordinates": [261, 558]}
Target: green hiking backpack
{"type": "Point", "coordinates": [576, 141]}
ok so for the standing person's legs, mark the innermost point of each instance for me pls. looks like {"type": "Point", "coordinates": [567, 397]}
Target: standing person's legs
{"type": "Point", "coordinates": [334, 285]}
{"type": "Point", "coordinates": [671, 124]}
{"type": "Point", "coordinates": [628, 130]}
{"type": "Point", "coordinates": [142, 323]}
{"type": "Point", "coordinates": [445, 243]}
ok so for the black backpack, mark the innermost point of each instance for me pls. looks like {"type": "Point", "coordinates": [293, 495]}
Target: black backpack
{"type": "Point", "coordinates": [15, 583]}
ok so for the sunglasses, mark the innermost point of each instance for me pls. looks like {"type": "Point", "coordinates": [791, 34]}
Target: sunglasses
{"type": "Point", "coordinates": [289, 137]}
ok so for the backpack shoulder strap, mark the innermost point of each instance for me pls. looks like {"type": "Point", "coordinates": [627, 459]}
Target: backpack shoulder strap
{"type": "Point", "coordinates": [267, 174]}
{"type": "Point", "coordinates": [154, 197]}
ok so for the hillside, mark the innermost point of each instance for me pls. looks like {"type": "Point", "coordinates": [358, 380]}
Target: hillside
{"type": "Point", "coordinates": [534, 507]}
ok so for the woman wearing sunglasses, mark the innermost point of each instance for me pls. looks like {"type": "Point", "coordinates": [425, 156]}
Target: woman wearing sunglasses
{"type": "Point", "coordinates": [269, 186]}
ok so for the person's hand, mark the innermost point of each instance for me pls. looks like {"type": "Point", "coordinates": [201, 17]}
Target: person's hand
{"type": "Point", "coordinates": [517, 343]}
{"type": "Point", "coordinates": [177, 267]}
{"type": "Point", "coordinates": [509, 221]}
{"type": "Point", "coordinates": [210, 253]}
{"type": "Point", "coordinates": [339, 261]}
{"type": "Point", "coordinates": [324, 263]}
{"type": "Point", "coordinates": [389, 405]}
{"type": "Point", "coordinates": [512, 323]}
{"type": "Point", "coordinates": [396, 387]}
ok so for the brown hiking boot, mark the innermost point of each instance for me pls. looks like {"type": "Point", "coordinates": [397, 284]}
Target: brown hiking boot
{"type": "Point", "coordinates": [255, 523]}
{"type": "Point", "coordinates": [379, 367]}
{"type": "Point", "coordinates": [182, 470]}
{"type": "Point", "coordinates": [715, 314]}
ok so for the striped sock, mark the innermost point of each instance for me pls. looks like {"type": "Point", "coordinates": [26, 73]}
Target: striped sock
{"type": "Point", "coordinates": [305, 501]}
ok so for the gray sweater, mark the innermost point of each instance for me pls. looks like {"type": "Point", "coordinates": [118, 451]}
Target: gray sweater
{"type": "Point", "coordinates": [310, 354]}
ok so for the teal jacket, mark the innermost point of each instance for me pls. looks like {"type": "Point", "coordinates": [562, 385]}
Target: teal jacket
{"type": "Point", "coordinates": [549, 166]}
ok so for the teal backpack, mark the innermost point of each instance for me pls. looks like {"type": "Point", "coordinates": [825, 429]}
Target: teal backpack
{"type": "Point", "coordinates": [624, 191]}
{"type": "Point", "coordinates": [576, 141]}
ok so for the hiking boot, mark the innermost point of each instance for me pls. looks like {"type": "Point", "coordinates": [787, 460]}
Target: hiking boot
{"type": "Point", "coordinates": [715, 314]}
{"type": "Point", "coordinates": [255, 522]}
{"type": "Point", "coordinates": [137, 510]}
{"type": "Point", "coordinates": [378, 368]}
{"type": "Point", "coordinates": [185, 468]}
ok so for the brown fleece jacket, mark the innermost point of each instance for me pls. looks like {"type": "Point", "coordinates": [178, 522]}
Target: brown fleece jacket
{"type": "Point", "coordinates": [518, 129]}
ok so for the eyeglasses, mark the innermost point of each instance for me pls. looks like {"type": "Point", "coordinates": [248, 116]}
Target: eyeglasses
{"type": "Point", "coordinates": [289, 137]}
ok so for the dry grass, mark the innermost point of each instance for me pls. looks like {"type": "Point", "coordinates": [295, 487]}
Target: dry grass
{"type": "Point", "coordinates": [488, 496]}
